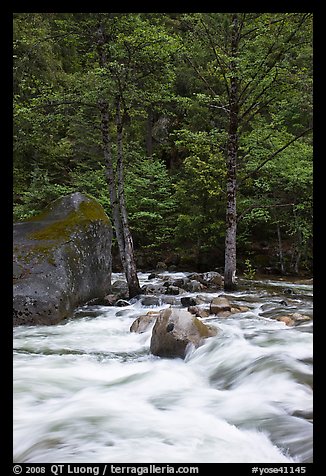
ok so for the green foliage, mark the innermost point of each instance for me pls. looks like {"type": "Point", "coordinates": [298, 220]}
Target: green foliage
{"type": "Point", "coordinates": [92, 182]}
{"type": "Point", "coordinates": [174, 70]}
{"type": "Point", "coordinates": [283, 186]}
{"type": "Point", "coordinates": [199, 190]}
{"type": "Point", "coordinates": [249, 272]}
{"type": "Point", "coordinates": [38, 195]}
{"type": "Point", "coordinates": [150, 202]}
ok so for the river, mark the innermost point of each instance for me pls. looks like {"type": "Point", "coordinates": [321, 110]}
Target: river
{"type": "Point", "coordinates": [88, 390]}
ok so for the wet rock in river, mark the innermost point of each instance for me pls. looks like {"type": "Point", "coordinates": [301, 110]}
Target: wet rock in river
{"type": "Point", "coordinates": [286, 319]}
{"type": "Point", "coordinates": [120, 289]}
{"type": "Point", "coordinates": [153, 289]}
{"type": "Point", "coordinates": [173, 341]}
{"type": "Point", "coordinates": [300, 317]}
{"type": "Point", "coordinates": [144, 322]}
{"type": "Point", "coordinates": [212, 278]}
{"type": "Point", "coordinates": [173, 290]}
{"type": "Point", "coordinates": [150, 301]}
{"type": "Point", "coordinates": [220, 304]}
{"type": "Point", "coordinates": [288, 291]}
{"type": "Point", "coordinates": [193, 286]}
{"type": "Point", "coordinates": [188, 301]}
{"type": "Point", "coordinates": [199, 311]}
{"type": "Point", "coordinates": [224, 314]}
{"type": "Point", "coordinates": [181, 282]}
{"type": "Point", "coordinates": [293, 319]}
{"type": "Point", "coordinates": [236, 308]}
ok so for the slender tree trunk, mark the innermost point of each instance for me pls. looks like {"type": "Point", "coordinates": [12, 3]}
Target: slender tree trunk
{"type": "Point", "coordinates": [298, 254]}
{"type": "Point", "coordinates": [110, 178]}
{"type": "Point", "coordinates": [106, 145]}
{"type": "Point", "coordinates": [117, 201]}
{"type": "Point", "coordinates": [129, 257]}
{"type": "Point", "coordinates": [297, 262]}
{"type": "Point", "coordinates": [231, 214]}
{"type": "Point", "coordinates": [280, 248]}
{"type": "Point", "coordinates": [232, 154]}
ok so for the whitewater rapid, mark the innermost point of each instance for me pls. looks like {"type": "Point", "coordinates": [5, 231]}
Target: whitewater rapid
{"type": "Point", "coordinates": [88, 390]}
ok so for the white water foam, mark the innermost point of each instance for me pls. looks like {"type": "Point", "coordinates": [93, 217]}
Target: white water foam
{"type": "Point", "coordinates": [88, 390]}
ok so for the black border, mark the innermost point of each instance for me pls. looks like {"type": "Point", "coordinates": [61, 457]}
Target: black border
{"type": "Point", "coordinates": [6, 187]}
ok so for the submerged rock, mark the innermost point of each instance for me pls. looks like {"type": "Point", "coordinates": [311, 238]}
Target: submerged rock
{"type": "Point", "coordinates": [62, 259]}
{"type": "Point", "coordinates": [174, 330]}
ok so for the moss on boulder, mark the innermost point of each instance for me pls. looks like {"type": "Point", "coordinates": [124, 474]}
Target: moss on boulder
{"type": "Point", "coordinates": [62, 258]}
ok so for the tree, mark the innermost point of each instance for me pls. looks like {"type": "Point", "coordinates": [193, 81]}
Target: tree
{"type": "Point", "coordinates": [37, 72]}
{"type": "Point", "coordinates": [199, 193]}
{"type": "Point", "coordinates": [278, 200]}
{"type": "Point", "coordinates": [151, 204]}
{"type": "Point", "coordinates": [89, 85]}
{"type": "Point", "coordinates": [122, 64]}
{"type": "Point", "coordinates": [138, 55]}
{"type": "Point", "coordinates": [251, 61]}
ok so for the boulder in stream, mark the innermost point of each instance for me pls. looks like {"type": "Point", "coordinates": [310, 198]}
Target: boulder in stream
{"type": "Point", "coordinates": [120, 289]}
{"type": "Point", "coordinates": [62, 259]}
{"type": "Point", "coordinates": [144, 322]}
{"type": "Point", "coordinates": [175, 330]}
{"type": "Point", "coordinates": [220, 304]}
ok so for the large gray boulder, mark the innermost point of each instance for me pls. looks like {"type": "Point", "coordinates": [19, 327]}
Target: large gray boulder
{"type": "Point", "coordinates": [62, 259]}
{"type": "Point", "coordinates": [175, 330]}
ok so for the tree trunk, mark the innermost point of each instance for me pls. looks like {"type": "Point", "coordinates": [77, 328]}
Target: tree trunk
{"type": "Point", "coordinates": [280, 248]}
{"type": "Point", "coordinates": [297, 262]}
{"type": "Point", "coordinates": [117, 200]}
{"type": "Point", "coordinates": [231, 216]}
{"type": "Point", "coordinates": [299, 245]}
{"type": "Point", "coordinates": [129, 257]}
{"type": "Point", "coordinates": [106, 145]}
{"type": "Point", "coordinates": [110, 178]}
{"type": "Point", "coordinates": [232, 153]}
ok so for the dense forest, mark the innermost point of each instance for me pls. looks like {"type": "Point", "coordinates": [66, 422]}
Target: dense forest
{"type": "Point", "coordinates": [193, 130]}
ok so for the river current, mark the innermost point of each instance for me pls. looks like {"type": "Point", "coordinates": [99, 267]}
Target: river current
{"type": "Point", "coordinates": [88, 390]}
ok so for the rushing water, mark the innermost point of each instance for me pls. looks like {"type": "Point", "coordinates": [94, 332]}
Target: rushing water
{"type": "Point", "coordinates": [88, 390]}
